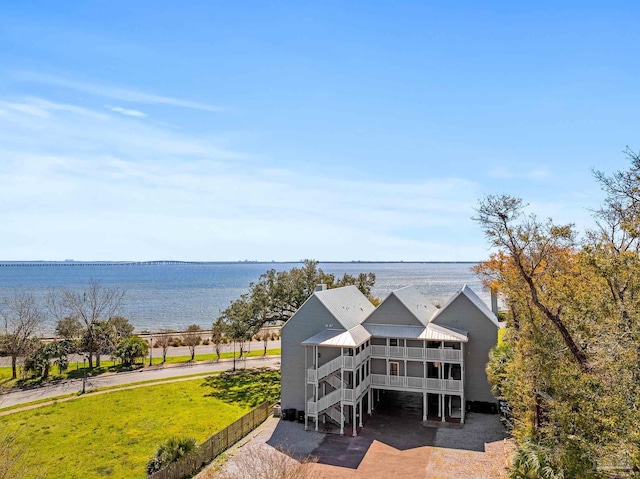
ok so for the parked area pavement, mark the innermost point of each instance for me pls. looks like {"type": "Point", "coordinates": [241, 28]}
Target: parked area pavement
{"type": "Point", "coordinates": [391, 445]}
{"type": "Point", "coordinates": [70, 386]}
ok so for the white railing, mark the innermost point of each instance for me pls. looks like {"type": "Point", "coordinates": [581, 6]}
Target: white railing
{"type": "Point", "coordinates": [330, 367]}
{"type": "Point", "coordinates": [335, 381]}
{"type": "Point", "coordinates": [378, 350]}
{"type": "Point", "coordinates": [312, 409]}
{"type": "Point", "coordinates": [430, 354]}
{"type": "Point", "coordinates": [409, 382]}
{"type": "Point", "coordinates": [311, 376]}
{"type": "Point", "coordinates": [329, 400]}
{"type": "Point", "coordinates": [362, 355]}
{"type": "Point", "coordinates": [335, 415]}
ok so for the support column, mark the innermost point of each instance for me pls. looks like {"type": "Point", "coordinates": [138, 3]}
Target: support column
{"type": "Point", "coordinates": [353, 415]}
{"type": "Point", "coordinates": [369, 397]}
{"type": "Point", "coordinates": [306, 388]}
{"type": "Point", "coordinates": [463, 406]}
{"type": "Point", "coordinates": [317, 384]}
{"type": "Point", "coordinates": [341, 418]}
{"type": "Point", "coordinates": [462, 409]}
{"type": "Point", "coordinates": [360, 411]}
{"type": "Point", "coordinates": [425, 413]}
{"type": "Point", "coordinates": [442, 407]}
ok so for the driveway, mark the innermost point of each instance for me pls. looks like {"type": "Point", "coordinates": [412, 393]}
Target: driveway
{"type": "Point", "coordinates": [388, 447]}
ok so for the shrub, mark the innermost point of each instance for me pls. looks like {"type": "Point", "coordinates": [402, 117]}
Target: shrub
{"type": "Point", "coordinates": [171, 450]}
{"type": "Point", "coordinates": [130, 349]}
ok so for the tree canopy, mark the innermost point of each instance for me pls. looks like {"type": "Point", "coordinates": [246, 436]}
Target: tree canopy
{"type": "Point", "coordinates": [570, 365]}
{"type": "Point", "coordinates": [278, 295]}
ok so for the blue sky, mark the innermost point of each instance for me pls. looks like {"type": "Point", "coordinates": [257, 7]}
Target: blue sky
{"type": "Point", "coordinates": [288, 130]}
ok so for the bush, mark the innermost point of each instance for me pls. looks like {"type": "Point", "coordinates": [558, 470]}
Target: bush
{"type": "Point", "coordinates": [175, 342]}
{"type": "Point", "coordinates": [171, 450]}
{"type": "Point", "coordinates": [130, 349]}
{"type": "Point", "coordinates": [205, 342]}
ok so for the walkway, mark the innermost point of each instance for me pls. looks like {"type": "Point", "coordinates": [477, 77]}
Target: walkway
{"type": "Point", "coordinates": [71, 386]}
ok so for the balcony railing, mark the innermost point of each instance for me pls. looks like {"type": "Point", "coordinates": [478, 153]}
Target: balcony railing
{"type": "Point", "coordinates": [409, 382]}
{"type": "Point", "coordinates": [430, 354]}
{"type": "Point", "coordinates": [346, 362]}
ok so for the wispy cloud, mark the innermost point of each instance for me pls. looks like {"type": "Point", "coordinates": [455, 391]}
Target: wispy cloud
{"type": "Point", "coordinates": [109, 91]}
{"type": "Point", "coordinates": [69, 172]}
{"type": "Point", "coordinates": [127, 111]}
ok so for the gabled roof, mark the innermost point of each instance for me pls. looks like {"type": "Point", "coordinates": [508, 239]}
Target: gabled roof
{"type": "Point", "coordinates": [475, 299]}
{"type": "Point", "coordinates": [416, 303]}
{"type": "Point", "coordinates": [347, 305]}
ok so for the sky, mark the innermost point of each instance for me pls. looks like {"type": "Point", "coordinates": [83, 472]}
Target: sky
{"type": "Point", "coordinates": [337, 130]}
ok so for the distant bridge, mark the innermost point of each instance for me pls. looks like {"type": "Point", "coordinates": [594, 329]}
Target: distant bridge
{"type": "Point", "coordinates": [7, 264]}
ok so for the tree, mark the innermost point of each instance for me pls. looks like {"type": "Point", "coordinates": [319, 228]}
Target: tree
{"type": "Point", "coordinates": [163, 340]}
{"type": "Point", "coordinates": [69, 328]}
{"type": "Point", "coordinates": [278, 295]}
{"type": "Point", "coordinates": [570, 363]}
{"type": "Point", "coordinates": [121, 326]}
{"type": "Point", "coordinates": [265, 340]}
{"type": "Point", "coordinates": [130, 349]}
{"type": "Point", "coordinates": [44, 355]}
{"type": "Point", "coordinates": [22, 320]}
{"type": "Point", "coordinates": [217, 335]}
{"type": "Point", "coordinates": [93, 304]}
{"type": "Point", "coordinates": [192, 338]}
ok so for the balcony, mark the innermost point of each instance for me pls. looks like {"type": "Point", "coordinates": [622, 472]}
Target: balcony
{"type": "Point", "coordinates": [428, 354]}
{"type": "Point", "coordinates": [422, 384]}
{"type": "Point", "coordinates": [346, 362]}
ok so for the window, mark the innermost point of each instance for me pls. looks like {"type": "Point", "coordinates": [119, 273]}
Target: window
{"type": "Point", "coordinates": [393, 342]}
{"type": "Point", "coordinates": [394, 368]}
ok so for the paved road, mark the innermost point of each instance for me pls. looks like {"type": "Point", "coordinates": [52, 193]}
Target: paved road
{"type": "Point", "coordinates": [116, 379]}
{"type": "Point", "coordinates": [177, 351]}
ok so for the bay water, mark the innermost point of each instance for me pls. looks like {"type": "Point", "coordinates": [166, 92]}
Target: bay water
{"type": "Point", "coordinates": [175, 295]}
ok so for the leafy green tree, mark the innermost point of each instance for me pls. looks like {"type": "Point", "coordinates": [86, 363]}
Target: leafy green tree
{"type": "Point", "coordinates": [130, 349]}
{"type": "Point", "coordinates": [278, 295]}
{"type": "Point", "coordinates": [170, 451]}
{"type": "Point", "coordinates": [69, 328]}
{"type": "Point", "coordinates": [192, 338]}
{"type": "Point", "coordinates": [45, 355]}
{"type": "Point", "coordinates": [217, 335]}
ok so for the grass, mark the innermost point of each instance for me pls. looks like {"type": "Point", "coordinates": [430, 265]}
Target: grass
{"type": "Point", "coordinates": [77, 370]}
{"type": "Point", "coordinates": [113, 435]}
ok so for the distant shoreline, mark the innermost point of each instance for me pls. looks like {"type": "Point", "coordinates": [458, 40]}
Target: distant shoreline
{"type": "Point", "coordinates": [171, 263]}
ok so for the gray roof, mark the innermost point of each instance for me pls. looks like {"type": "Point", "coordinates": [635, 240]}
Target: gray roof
{"type": "Point", "coordinates": [347, 305]}
{"type": "Point", "coordinates": [416, 303]}
{"type": "Point", "coordinates": [334, 338]}
{"type": "Point", "coordinates": [475, 299]}
{"type": "Point", "coordinates": [431, 332]}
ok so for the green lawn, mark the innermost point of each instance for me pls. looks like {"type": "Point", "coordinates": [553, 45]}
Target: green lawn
{"type": "Point", "coordinates": [114, 434]}
{"type": "Point", "coordinates": [77, 370]}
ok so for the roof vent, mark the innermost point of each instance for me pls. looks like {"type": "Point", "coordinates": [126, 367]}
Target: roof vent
{"type": "Point", "coordinates": [321, 287]}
